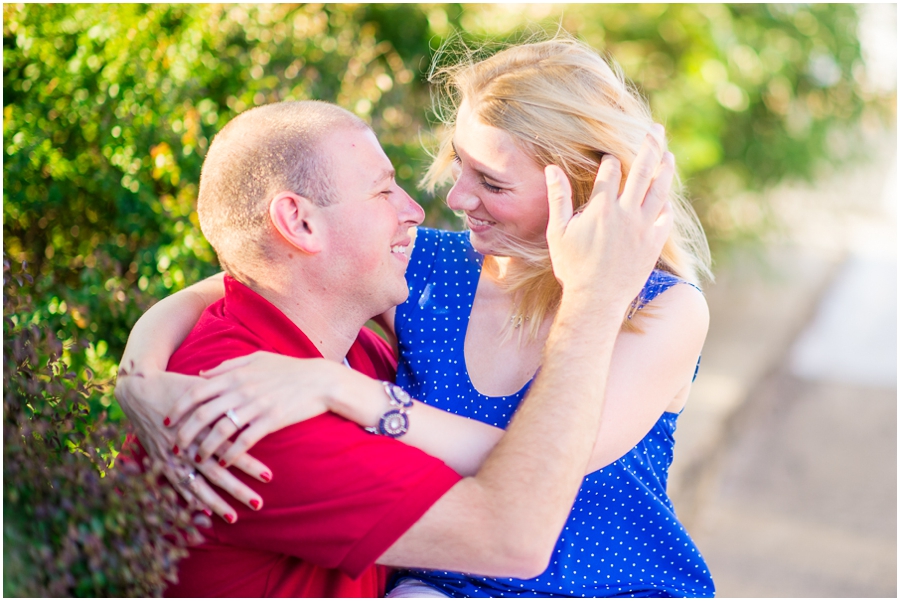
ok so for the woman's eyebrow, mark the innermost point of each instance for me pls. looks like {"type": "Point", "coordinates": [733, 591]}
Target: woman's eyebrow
{"type": "Point", "coordinates": [482, 172]}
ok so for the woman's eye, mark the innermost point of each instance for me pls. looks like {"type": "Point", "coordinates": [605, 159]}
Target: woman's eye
{"type": "Point", "coordinates": [490, 188]}
{"type": "Point", "coordinates": [455, 157]}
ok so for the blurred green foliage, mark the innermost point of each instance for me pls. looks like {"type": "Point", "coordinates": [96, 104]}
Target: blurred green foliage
{"type": "Point", "coordinates": [109, 109]}
{"type": "Point", "coordinates": [71, 525]}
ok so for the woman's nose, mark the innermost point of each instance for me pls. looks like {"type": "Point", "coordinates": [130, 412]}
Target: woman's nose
{"type": "Point", "coordinates": [461, 198]}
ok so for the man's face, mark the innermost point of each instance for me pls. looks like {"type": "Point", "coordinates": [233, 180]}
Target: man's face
{"type": "Point", "coordinates": [367, 235]}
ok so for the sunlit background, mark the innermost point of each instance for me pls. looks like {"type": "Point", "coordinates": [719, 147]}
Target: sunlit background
{"type": "Point", "coordinates": [782, 119]}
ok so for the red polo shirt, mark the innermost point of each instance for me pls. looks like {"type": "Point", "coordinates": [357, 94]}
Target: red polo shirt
{"type": "Point", "coordinates": [339, 496]}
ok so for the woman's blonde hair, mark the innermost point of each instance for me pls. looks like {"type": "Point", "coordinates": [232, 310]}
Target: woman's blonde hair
{"type": "Point", "coordinates": [564, 105]}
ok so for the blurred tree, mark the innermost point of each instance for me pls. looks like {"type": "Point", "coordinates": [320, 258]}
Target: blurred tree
{"type": "Point", "coordinates": [750, 94]}
{"type": "Point", "coordinates": [109, 109]}
{"type": "Point", "coordinates": [71, 525]}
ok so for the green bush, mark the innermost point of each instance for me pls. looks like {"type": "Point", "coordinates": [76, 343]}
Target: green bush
{"type": "Point", "coordinates": [108, 110]}
{"type": "Point", "coordinates": [72, 524]}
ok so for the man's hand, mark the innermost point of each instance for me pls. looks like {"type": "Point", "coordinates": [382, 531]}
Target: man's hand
{"type": "Point", "coordinates": [609, 249]}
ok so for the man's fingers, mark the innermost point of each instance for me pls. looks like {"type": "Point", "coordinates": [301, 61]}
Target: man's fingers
{"type": "Point", "coordinates": [559, 198]}
{"type": "Point", "coordinates": [659, 190]}
{"type": "Point", "coordinates": [663, 224]}
{"type": "Point", "coordinates": [642, 170]}
{"type": "Point", "coordinates": [606, 184]}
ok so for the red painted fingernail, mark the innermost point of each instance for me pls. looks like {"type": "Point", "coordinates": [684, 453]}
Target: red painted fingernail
{"type": "Point", "coordinates": [167, 421]}
{"type": "Point", "coordinates": [207, 512]}
{"type": "Point", "coordinates": [175, 449]}
{"type": "Point", "coordinates": [266, 476]}
{"type": "Point", "coordinates": [222, 462]}
{"type": "Point", "coordinates": [197, 458]}
{"type": "Point", "coordinates": [229, 518]}
{"type": "Point", "coordinates": [254, 503]}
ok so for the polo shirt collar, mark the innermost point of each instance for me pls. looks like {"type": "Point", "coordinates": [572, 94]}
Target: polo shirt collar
{"type": "Point", "coordinates": [280, 333]}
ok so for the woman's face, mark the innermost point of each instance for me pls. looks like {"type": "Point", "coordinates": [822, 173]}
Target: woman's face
{"type": "Point", "coordinates": [499, 187]}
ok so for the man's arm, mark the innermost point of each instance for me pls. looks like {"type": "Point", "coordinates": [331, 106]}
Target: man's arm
{"type": "Point", "coordinates": [505, 520]}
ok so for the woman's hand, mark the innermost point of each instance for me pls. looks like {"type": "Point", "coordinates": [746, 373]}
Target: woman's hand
{"type": "Point", "coordinates": [145, 397]}
{"type": "Point", "coordinates": [625, 232]}
{"type": "Point", "coordinates": [256, 394]}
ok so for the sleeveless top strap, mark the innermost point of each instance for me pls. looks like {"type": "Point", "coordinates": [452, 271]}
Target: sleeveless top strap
{"type": "Point", "coordinates": [658, 282]}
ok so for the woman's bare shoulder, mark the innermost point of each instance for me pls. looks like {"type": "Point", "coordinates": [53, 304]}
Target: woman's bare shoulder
{"type": "Point", "coordinates": [678, 315]}
{"type": "Point", "coordinates": [683, 302]}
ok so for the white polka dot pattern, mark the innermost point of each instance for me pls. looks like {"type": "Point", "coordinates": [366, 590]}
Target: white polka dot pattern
{"type": "Point", "coordinates": [622, 537]}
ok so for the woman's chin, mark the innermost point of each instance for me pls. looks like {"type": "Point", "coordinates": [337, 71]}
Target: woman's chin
{"type": "Point", "coordinates": [483, 244]}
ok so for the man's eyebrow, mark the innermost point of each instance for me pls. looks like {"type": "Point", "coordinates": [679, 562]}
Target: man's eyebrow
{"type": "Point", "coordinates": [387, 174]}
{"type": "Point", "coordinates": [483, 172]}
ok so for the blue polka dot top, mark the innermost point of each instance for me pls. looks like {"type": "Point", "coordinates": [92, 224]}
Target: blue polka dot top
{"type": "Point", "coordinates": [622, 538]}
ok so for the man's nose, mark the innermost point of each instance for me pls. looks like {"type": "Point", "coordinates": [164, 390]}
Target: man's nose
{"type": "Point", "coordinates": [410, 211]}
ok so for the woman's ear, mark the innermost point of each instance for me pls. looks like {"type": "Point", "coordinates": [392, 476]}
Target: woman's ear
{"type": "Point", "coordinates": [296, 219]}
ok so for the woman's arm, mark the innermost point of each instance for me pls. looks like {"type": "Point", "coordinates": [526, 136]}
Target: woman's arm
{"type": "Point", "coordinates": [650, 374]}
{"type": "Point", "coordinates": [165, 325]}
{"type": "Point", "coordinates": [146, 393]}
{"type": "Point", "coordinates": [270, 391]}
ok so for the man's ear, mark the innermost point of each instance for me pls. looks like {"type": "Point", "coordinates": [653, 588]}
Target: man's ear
{"type": "Point", "coordinates": [296, 219]}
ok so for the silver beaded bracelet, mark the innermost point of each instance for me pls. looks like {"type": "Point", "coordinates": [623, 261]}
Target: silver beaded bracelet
{"type": "Point", "coordinates": [395, 421]}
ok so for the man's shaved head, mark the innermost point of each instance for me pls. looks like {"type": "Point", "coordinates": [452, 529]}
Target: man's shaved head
{"type": "Point", "coordinates": [261, 152]}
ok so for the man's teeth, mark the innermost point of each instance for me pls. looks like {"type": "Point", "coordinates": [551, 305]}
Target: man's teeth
{"type": "Point", "coordinates": [398, 249]}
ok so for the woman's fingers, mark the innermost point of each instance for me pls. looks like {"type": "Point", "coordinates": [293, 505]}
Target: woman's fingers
{"type": "Point", "coordinates": [250, 465]}
{"type": "Point", "coordinates": [235, 453]}
{"type": "Point", "coordinates": [212, 501]}
{"type": "Point", "coordinates": [227, 481]}
{"type": "Point", "coordinates": [226, 366]}
{"type": "Point", "coordinates": [194, 483]}
{"type": "Point", "coordinates": [199, 393]}
{"type": "Point", "coordinates": [209, 413]}
{"type": "Point", "coordinates": [230, 423]}
{"type": "Point", "coordinates": [182, 476]}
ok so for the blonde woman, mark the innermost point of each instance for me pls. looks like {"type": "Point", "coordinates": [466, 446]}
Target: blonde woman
{"type": "Point", "coordinates": [471, 334]}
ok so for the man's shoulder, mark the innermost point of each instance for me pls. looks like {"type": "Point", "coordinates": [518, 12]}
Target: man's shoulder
{"type": "Point", "coordinates": [217, 337]}
{"type": "Point", "coordinates": [380, 352]}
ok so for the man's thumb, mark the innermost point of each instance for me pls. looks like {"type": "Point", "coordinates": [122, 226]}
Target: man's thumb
{"type": "Point", "coordinates": [559, 199]}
